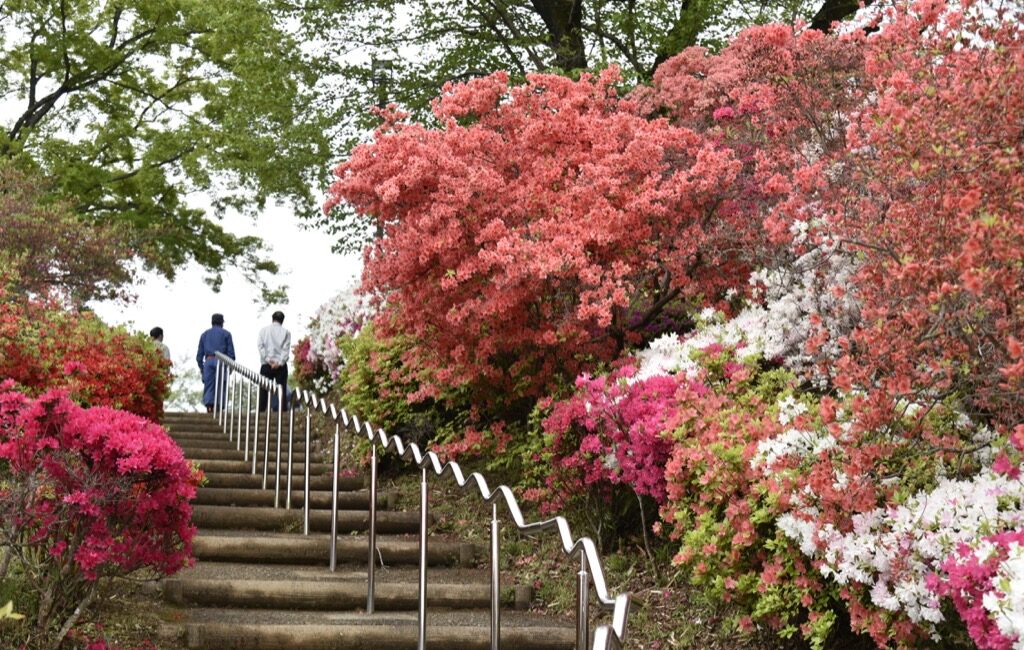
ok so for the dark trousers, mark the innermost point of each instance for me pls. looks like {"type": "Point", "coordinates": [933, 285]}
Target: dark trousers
{"type": "Point", "coordinates": [210, 384]}
{"type": "Point", "coordinates": [279, 375]}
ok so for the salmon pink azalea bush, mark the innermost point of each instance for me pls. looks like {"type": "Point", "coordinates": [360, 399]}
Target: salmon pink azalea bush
{"type": "Point", "coordinates": [85, 494]}
{"type": "Point", "coordinates": [491, 261]}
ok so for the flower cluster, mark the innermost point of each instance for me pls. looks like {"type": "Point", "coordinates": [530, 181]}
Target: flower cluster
{"type": "Point", "coordinates": [43, 346]}
{"type": "Point", "coordinates": [319, 356]}
{"type": "Point", "coordinates": [984, 579]}
{"type": "Point", "coordinates": [894, 553]}
{"type": "Point", "coordinates": [609, 433]}
{"type": "Point", "coordinates": [91, 492]}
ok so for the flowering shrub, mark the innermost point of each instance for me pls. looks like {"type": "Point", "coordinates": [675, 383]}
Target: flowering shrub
{"type": "Point", "coordinates": [43, 346]}
{"type": "Point", "coordinates": [87, 493]}
{"type": "Point", "coordinates": [523, 233]}
{"type": "Point", "coordinates": [839, 418]}
{"type": "Point", "coordinates": [343, 315]}
{"type": "Point", "coordinates": [319, 356]}
{"type": "Point", "coordinates": [609, 432]}
{"type": "Point", "coordinates": [984, 580]}
{"type": "Point", "coordinates": [683, 430]}
{"type": "Point", "coordinates": [307, 373]}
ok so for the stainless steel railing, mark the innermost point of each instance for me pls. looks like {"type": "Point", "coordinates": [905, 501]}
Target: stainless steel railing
{"type": "Point", "coordinates": [232, 377]}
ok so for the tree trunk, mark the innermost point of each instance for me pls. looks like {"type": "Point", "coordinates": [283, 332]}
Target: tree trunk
{"type": "Point", "coordinates": [831, 11]}
{"type": "Point", "coordinates": [70, 623]}
{"type": "Point", "coordinates": [564, 22]}
{"type": "Point", "coordinates": [5, 563]}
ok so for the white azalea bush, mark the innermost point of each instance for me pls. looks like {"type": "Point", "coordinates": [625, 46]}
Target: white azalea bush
{"type": "Point", "coordinates": [319, 356]}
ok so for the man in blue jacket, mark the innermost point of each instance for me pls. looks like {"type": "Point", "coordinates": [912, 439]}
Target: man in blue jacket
{"type": "Point", "coordinates": [214, 340]}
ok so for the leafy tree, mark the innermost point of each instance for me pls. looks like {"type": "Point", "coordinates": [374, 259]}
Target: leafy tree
{"type": "Point", "coordinates": [462, 40]}
{"type": "Point", "coordinates": [45, 249]}
{"type": "Point", "coordinates": [133, 104]}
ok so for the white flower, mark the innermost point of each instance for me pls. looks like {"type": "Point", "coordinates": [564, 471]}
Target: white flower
{"type": "Point", "coordinates": [893, 550]}
{"type": "Point", "coordinates": [345, 313]}
{"type": "Point", "coordinates": [790, 409]}
{"type": "Point", "coordinates": [790, 442]}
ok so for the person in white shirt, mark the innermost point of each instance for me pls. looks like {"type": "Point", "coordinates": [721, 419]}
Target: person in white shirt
{"type": "Point", "coordinates": [275, 343]}
{"type": "Point", "coordinates": [157, 334]}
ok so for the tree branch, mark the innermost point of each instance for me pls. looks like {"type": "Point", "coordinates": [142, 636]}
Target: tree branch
{"type": "Point", "coordinates": [832, 11]}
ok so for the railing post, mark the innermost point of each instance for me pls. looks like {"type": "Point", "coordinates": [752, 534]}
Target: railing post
{"type": "Point", "coordinates": [372, 565]}
{"type": "Point", "coordinates": [232, 404]}
{"type": "Point", "coordinates": [238, 431]}
{"type": "Point", "coordinates": [334, 500]}
{"type": "Point", "coordinates": [305, 485]}
{"type": "Point", "coordinates": [256, 429]}
{"type": "Point", "coordinates": [216, 386]}
{"type": "Point", "coordinates": [248, 411]}
{"type": "Point", "coordinates": [495, 581]}
{"type": "Point", "coordinates": [266, 440]}
{"type": "Point", "coordinates": [424, 514]}
{"type": "Point", "coordinates": [277, 460]}
{"type": "Point", "coordinates": [291, 426]}
{"type": "Point", "coordinates": [582, 604]}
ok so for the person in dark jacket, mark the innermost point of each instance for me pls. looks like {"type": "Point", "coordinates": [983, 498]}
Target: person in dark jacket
{"type": "Point", "coordinates": [214, 340]}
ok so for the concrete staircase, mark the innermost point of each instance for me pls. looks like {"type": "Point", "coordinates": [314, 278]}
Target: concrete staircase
{"type": "Point", "coordinates": [260, 584]}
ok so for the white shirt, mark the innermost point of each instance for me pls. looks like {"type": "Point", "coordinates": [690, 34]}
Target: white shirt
{"type": "Point", "coordinates": [275, 342]}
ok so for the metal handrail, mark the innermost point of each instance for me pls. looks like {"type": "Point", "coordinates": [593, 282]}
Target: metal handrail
{"type": "Point", "coordinates": [227, 399]}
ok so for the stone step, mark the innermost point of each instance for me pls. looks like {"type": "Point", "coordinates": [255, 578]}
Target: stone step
{"type": "Point", "coordinates": [218, 438]}
{"type": "Point", "coordinates": [230, 453]}
{"type": "Point", "coordinates": [219, 435]}
{"type": "Point", "coordinates": [319, 588]}
{"type": "Point", "coordinates": [242, 518]}
{"type": "Point", "coordinates": [206, 426]}
{"type": "Point", "coordinates": [247, 479]}
{"type": "Point", "coordinates": [221, 629]}
{"type": "Point", "coordinates": [207, 422]}
{"type": "Point", "coordinates": [211, 442]}
{"type": "Point", "coordinates": [215, 546]}
{"type": "Point", "coordinates": [318, 499]}
{"type": "Point", "coordinates": [241, 467]}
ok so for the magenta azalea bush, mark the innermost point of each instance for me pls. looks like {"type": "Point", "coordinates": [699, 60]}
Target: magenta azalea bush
{"type": "Point", "coordinates": [87, 494]}
{"type": "Point", "coordinates": [984, 579]}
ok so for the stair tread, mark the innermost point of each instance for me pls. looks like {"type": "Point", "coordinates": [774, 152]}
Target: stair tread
{"type": "Point", "coordinates": [300, 618]}
{"type": "Point", "coordinates": [346, 574]}
{"type": "Point", "coordinates": [282, 513]}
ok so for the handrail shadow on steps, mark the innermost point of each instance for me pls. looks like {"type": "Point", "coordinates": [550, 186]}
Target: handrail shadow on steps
{"type": "Point", "coordinates": [232, 377]}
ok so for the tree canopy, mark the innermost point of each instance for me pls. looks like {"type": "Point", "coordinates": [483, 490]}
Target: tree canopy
{"type": "Point", "coordinates": [456, 41]}
{"type": "Point", "coordinates": [131, 105]}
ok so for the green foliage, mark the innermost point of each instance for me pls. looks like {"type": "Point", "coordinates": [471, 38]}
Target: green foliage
{"type": "Point", "coordinates": [133, 104]}
{"type": "Point", "coordinates": [375, 383]}
{"type": "Point", "coordinates": [47, 250]}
